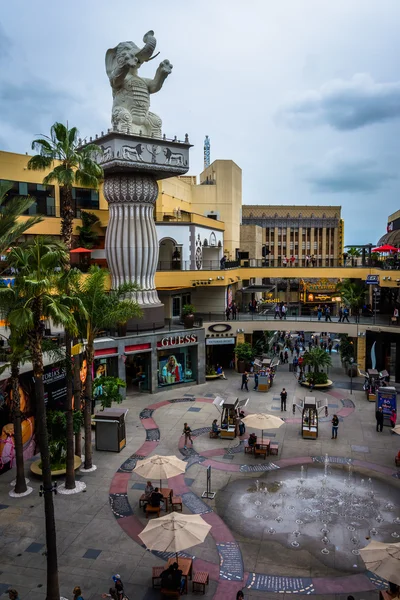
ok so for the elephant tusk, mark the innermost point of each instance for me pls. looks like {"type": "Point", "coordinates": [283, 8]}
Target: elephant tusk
{"type": "Point", "coordinates": [153, 57]}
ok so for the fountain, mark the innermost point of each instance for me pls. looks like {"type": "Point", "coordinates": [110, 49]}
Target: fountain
{"type": "Point", "coordinates": [339, 513]}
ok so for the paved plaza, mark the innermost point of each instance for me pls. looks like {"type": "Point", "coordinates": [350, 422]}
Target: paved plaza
{"type": "Point", "coordinates": [97, 530]}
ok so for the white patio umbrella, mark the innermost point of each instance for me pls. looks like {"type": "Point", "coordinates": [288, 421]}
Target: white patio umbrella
{"type": "Point", "coordinates": [396, 429]}
{"type": "Point", "coordinates": [174, 532]}
{"type": "Point", "coordinates": [160, 467]}
{"type": "Point", "coordinates": [263, 421]}
{"type": "Point", "coordinates": [383, 560]}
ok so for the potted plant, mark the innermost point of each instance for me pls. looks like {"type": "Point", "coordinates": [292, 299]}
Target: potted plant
{"type": "Point", "coordinates": [244, 354]}
{"type": "Point", "coordinates": [188, 315]}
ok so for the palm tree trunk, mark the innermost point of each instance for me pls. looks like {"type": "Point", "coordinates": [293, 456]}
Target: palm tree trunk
{"type": "Point", "coordinates": [77, 402]}
{"type": "Point", "coordinates": [20, 484]}
{"type": "Point", "coordinates": [88, 405]}
{"type": "Point", "coordinates": [67, 220]}
{"type": "Point", "coordinates": [70, 465]}
{"type": "Point", "coordinates": [53, 590]}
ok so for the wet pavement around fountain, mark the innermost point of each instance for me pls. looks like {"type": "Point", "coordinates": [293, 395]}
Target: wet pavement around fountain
{"type": "Point", "coordinates": [95, 540]}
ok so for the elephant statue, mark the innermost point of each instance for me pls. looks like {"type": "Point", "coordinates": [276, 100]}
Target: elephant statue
{"type": "Point", "coordinates": [131, 93]}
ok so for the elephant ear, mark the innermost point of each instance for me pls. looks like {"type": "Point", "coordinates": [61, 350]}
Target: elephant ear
{"type": "Point", "coordinates": [111, 61]}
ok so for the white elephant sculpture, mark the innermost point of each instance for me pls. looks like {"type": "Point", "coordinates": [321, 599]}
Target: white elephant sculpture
{"type": "Point", "coordinates": [131, 93]}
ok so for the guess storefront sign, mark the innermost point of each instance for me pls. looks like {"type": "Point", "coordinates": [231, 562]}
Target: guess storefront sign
{"type": "Point", "coordinates": [177, 340]}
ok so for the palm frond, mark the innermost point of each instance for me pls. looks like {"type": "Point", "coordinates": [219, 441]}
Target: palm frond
{"type": "Point", "coordinates": [40, 162]}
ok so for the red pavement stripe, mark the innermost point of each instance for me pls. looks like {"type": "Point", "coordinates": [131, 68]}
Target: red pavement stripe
{"type": "Point", "coordinates": [147, 448]}
{"type": "Point", "coordinates": [149, 423]}
{"type": "Point", "coordinates": [132, 527]}
{"type": "Point", "coordinates": [119, 484]}
{"type": "Point", "coordinates": [342, 585]}
{"type": "Point", "coordinates": [214, 452]}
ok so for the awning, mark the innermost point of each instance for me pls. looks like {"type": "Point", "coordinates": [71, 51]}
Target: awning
{"type": "Point", "coordinates": [257, 288]}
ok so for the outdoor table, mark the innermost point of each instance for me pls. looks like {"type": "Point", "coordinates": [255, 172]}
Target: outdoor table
{"type": "Point", "coordinates": [167, 494]}
{"type": "Point", "coordinates": [185, 565]}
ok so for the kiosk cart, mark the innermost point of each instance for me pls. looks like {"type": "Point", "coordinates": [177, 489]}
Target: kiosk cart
{"type": "Point", "coordinates": [230, 408]}
{"type": "Point", "coordinates": [110, 429]}
{"type": "Point", "coordinates": [372, 384]}
{"type": "Point", "coordinates": [310, 408]}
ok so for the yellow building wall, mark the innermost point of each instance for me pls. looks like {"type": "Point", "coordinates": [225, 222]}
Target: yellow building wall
{"type": "Point", "coordinates": [224, 197]}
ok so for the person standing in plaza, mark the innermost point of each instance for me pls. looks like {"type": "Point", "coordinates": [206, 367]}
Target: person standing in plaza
{"type": "Point", "coordinates": [328, 314]}
{"type": "Point", "coordinates": [245, 379]}
{"type": "Point", "coordinates": [340, 314]}
{"type": "Point", "coordinates": [13, 595]}
{"type": "Point", "coordinates": [227, 313]}
{"type": "Point", "coordinates": [335, 426]}
{"type": "Point", "coordinates": [319, 312]}
{"type": "Point", "coordinates": [283, 399]}
{"type": "Point", "coordinates": [77, 593]}
{"type": "Point", "coordinates": [188, 434]}
{"type": "Point", "coordinates": [234, 310]}
{"type": "Point", "coordinates": [379, 419]}
{"type": "Point", "coordinates": [255, 381]}
{"type": "Point", "coordinates": [345, 314]}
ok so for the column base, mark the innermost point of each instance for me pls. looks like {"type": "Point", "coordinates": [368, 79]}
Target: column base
{"type": "Point", "coordinates": [153, 318]}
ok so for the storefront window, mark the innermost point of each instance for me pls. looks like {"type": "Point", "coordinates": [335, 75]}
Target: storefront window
{"type": "Point", "coordinates": [177, 366]}
{"type": "Point", "coordinates": [138, 371]}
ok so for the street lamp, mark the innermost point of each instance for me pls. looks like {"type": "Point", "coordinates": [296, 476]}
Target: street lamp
{"type": "Point", "coordinates": [352, 364]}
{"type": "Point", "coordinates": [376, 290]}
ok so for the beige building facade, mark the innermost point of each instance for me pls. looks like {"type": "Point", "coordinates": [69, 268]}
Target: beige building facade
{"type": "Point", "coordinates": [298, 231]}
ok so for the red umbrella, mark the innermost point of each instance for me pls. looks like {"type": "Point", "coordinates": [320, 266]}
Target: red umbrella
{"type": "Point", "coordinates": [80, 251]}
{"type": "Point", "coordinates": [385, 248]}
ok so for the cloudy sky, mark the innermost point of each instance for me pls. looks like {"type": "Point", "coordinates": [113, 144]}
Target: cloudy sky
{"type": "Point", "coordinates": [304, 95]}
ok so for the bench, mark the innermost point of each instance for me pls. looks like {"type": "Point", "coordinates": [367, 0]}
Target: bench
{"type": "Point", "coordinates": [200, 580]}
{"type": "Point", "coordinates": [157, 575]}
{"type": "Point", "coordinates": [213, 434]}
{"type": "Point", "coordinates": [152, 509]}
{"type": "Point", "coordinates": [176, 502]}
{"type": "Point", "coordinates": [170, 593]}
{"type": "Point", "coordinates": [273, 448]}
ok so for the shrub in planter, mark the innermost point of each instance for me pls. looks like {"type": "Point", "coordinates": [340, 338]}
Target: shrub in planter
{"type": "Point", "coordinates": [317, 378]}
{"type": "Point", "coordinates": [106, 389]}
{"type": "Point", "coordinates": [188, 315]}
{"type": "Point", "coordinates": [244, 354]}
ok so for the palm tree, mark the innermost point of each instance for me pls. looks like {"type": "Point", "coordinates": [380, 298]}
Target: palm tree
{"type": "Point", "coordinates": [317, 359]}
{"type": "Point", "coordinates": [37, 285]}
{"type": "Point", "coordinates": [353, 294]}
{"type": "Point", "coordinates": [354, 253]}
{"type": "Point", "coordinates": [103, 310]}
{"type": "Point", "coordinates": [71, 165]}
{"type": "Point", "coordinates": [11, 228]}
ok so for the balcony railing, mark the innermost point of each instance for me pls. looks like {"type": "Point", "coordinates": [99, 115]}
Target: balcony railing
{"type": "Point", "coordinates": [388, 264]}
{"type": "Point", "coordinates": [193, 265]}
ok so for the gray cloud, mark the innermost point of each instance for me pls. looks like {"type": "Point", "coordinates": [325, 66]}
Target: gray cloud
{"type": "Point", "coordinates": [344, 105]}
{"type": "Point", "coordinates": [339, 174]}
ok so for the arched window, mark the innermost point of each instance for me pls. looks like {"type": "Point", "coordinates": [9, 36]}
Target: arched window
{"type": "Point", "coordinates": [213, 239]}
{"type": "Point", "coordinates": [205, 243]}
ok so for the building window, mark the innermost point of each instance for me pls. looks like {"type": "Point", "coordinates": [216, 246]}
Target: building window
{"type": "Point", "coordinates": [42, 194]}
{"type": "Point", "coordinates": [214, 217]}
{"type": "Point", "coordinates": [85, 199]}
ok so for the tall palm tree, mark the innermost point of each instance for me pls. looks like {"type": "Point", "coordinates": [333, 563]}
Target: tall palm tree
{"type": "Point", "coordinates": [71, 165]}
{"type": "Point", "coordinates": [103, 310]}
{"type": "Point", "coordinates": [37, 284]}
{"type": "Point", "coordinates": [353, 294]}
{"type": "Point", "coordinates": [317, 359]}
{"type": "Point", "coordinates": [11, 227]}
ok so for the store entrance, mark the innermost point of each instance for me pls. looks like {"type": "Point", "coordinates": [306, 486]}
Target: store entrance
{"type": "Point", "coordinates": [138, 372]}
{"type": "Point", "coordinates": [221, 354]}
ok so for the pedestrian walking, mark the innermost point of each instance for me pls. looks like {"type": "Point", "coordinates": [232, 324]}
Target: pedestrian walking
{"type": "Point", "coordinates": [313, 261]}
{"type": "Point", "coordinates": [286, 357]}
{"type": "Point", "coordinates": [379, 419]}
{"type": "Point", "coordinates": [234, 310]}
{"type": "Point", "coordinates": [256, 381]}
{"type": "Point", "coordinates": [77, 592]}
{"type": "Point", "coordinates": [307, 261]}
{"type": "Point", "coordinates": [283, 399]}
{"type": "Point", "coordinates": [285, 261]}
{"type": "Point", "coordinates": [393, 418]}
{"type": "Point", "coordinates": [340, 314]}
{"type": "Point", "coordinates": [284, 311]}
{"type": "Point", "coordinates": [227, 313]}
{"type": "Point", "coordinates": [277, 311]}
{"type": "Point", "coordinates": [345, 314]}
{"type": "Point", "coordinates": [188, 434]}
{"type": "Point", "coordinates": [335, 425]}
{"type": "Point", "coordinates": [240, 595]}
{"type": "Point", "coordinates": [245, 379]}
{"type": "Point", "coordinates": [319, 312]}
{"type": "Point", "coordinates": [330, 346]}
{"type": "Point", "coordinates": [328, 314]}
{"type": "Point", "coordinates": [222, 262]}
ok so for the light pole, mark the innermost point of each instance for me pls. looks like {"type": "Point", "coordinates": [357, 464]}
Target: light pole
{"type": "Point", "coordinates": [351, 375]}
{"type": "Point", "coordinates": [375, 298]}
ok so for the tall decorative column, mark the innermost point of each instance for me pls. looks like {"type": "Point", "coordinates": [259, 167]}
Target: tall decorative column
{"type": "Point", "coordinates": [132, 165]}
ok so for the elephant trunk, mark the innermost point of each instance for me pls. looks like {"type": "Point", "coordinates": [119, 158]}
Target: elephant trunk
{"type": "Point", "coordinates": [146, 52]}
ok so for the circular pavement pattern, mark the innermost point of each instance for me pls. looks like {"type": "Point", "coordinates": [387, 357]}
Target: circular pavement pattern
{"type": "Point", "coordinates": [229, 574]}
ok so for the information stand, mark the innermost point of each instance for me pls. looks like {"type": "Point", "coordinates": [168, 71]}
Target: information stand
{"type": "Point", "coordinates": [387, 399]}
{"type": "Point", "coordinates": [230, 408]}
{"type": "Point", "coordinates": [208, 493]}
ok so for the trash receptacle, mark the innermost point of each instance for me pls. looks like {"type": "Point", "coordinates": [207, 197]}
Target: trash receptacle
{"type": "Point", "coordinates": [110, 429]}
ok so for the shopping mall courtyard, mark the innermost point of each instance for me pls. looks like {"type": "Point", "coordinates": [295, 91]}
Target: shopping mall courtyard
{"type": "Point", "coordinates": [291, 523]}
